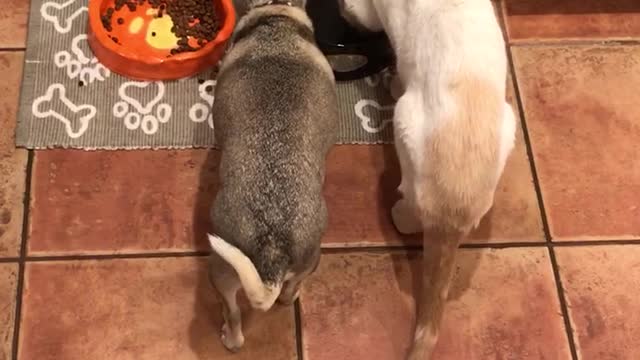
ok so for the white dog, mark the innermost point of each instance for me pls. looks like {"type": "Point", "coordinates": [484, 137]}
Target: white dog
{"type": "Point", "coordinates": [453, 128]}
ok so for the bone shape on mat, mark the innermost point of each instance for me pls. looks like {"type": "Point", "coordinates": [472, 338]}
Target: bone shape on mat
{"type": "Point", "coordinates": [56, 97]}
{"type": "Point", "coordinates": [367, 122]}
{"type": "Point", "coordinates": [54, 12]}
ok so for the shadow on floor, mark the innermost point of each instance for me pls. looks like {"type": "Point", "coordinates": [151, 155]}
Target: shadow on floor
{"type": "Point", "coordinates": [463, 273]}
{"type": "Point", "coordinates": [201, 343]}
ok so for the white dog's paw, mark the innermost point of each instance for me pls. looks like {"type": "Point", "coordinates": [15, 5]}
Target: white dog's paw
{"type": "Point", "coordinates": [404, 219]}
{"type": "Point", "coordinates": [233, 342]}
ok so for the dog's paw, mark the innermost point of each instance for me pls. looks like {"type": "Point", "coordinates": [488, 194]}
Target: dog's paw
{"type": "Point", "coordinates": [404, 219]}
{"type": "Point", "coordinates": [233, 342]}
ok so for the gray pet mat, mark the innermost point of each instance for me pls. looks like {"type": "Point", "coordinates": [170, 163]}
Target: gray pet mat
{"type": "Point", "coordinates": [70, 100]}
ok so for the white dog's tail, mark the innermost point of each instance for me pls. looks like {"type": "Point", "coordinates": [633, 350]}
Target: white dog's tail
{"type": "Point", "coordinates": [260, 295]}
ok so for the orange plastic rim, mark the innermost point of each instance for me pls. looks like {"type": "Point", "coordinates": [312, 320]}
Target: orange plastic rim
{"type": "Point", "coordinates": [140, 66]}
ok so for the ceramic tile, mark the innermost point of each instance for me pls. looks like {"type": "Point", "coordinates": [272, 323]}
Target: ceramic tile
{"type": "Point", "coordinates": [138, 309]}
{"type": "Point", "coordinates": [13, 23]}
{"type": "Point", "coordinates": [144, 201]}
{"type": "Point", "coordinates": [12, 162]}
{"type": "Point", "coordinates": [8, 283]}
{"type": "Point", "coordinates": [602, 287]}
{"type": "Point", "coordinates": [580, 105]}
{"type": "Point", "coordinates": [502, 305]}
{"type": "Point", "coordinates": [121, 202]}
{"type": "Point", "coordinates": [532, 20]}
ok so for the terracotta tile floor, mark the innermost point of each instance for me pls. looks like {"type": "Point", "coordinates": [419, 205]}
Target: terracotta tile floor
{"type": "Point", "coordinates": [108, 262]}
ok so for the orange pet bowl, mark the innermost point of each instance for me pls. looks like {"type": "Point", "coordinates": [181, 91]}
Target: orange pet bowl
{"type": "Point", "coordinates": [142, 43]}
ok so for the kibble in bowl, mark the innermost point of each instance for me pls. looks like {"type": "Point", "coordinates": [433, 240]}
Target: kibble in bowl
{"type": "Point", "coordinates": [159, 39]}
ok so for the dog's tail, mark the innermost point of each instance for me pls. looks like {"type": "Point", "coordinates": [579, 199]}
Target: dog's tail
{"type": "Point", "coordinates": [438, 266]}
{"type": "Point", "coordinates": [261, 296]}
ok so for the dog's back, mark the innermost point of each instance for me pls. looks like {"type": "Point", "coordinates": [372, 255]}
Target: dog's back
{"type": "Point", "coordinates": [454, 72]}
{"type": "Point", "coordinates": [275, 119]}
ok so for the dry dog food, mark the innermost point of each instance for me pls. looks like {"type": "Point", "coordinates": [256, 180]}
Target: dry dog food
{"type": "Point", "coordinates": [177, 25]}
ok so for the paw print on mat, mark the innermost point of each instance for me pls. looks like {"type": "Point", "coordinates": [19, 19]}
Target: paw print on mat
{"type": "Point", "coordinates": [384, 78]}
{"type": "Point", "coordinates": [83, 67]}
{"type": "Point", "coordinates": [201, 112]}
{"type": "Point", "coordinates": [142, 116]}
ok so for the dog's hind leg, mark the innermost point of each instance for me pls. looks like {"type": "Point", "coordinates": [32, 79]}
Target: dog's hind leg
{"type": "Point", "coordinates": [225, 280]}
{"type": "Point", "coordinates": [405, 127]}
{"type": "Point", "coordinates": [291, 288]}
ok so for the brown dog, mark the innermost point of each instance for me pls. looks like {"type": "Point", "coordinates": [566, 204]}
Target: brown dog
{"type": "Point", "coordinates": [275, 118]}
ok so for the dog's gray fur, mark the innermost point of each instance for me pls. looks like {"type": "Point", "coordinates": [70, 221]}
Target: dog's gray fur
{"type": "Point", "coordinates": [275, 117]}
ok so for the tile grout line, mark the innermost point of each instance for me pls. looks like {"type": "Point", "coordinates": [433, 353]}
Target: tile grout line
{"type": "Point", "coordinates": [383, 248]}
{"type": "Point", "coordinates": [502, 19]}
{"type": "Point", "coordinates": [325, 250]}
{"type": "Point", "coordinates": [543, 214]}
{"type": "Point", "coordinates": [584, 243]}
{"type": "Point", "coordinates": [131, 256]}
{"type": "Point", "coordinates": [563, 303]}
{"type": "Point", "coordinates": [298, 326]}
{"type": "Point", "coordinates": [12, 49]}
{"type": "Point", "coordinates": [23, 253]}
{"type": "Point", "coordinates": [574, 42]}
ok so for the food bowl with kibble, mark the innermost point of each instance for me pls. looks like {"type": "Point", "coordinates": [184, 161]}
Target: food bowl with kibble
{"type": "Point", "coordinates": [160, 39]}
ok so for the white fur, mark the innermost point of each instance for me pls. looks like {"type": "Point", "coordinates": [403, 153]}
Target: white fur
{"type": "Point", "coordinates": [260, 295]}
{"type": "Point", "coordinates": [436, 42]}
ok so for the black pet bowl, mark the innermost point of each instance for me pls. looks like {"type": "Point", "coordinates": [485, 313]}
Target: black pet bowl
{"type": "Point", "coordinates": [352, 54]}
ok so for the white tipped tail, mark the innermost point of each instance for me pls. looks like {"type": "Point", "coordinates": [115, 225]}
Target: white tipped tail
{"type": "Point", "coordinates": [260, 295]}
